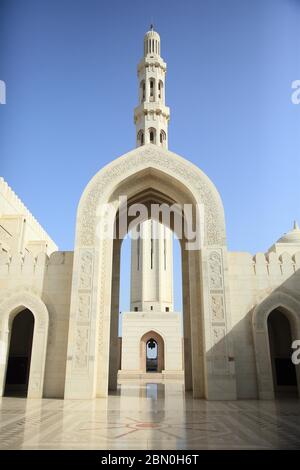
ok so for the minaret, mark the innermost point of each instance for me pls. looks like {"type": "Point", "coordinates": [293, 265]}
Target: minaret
{"type": "Point", "coordinates": [151, 116]}
{"type": "Point", "coordinates": [152, 251]}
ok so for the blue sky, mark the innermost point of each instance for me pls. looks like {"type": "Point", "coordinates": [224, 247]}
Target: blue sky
{"type": "Point", "coordinates": [70, 72]}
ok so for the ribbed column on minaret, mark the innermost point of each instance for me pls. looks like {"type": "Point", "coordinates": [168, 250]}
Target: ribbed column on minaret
{"type": "Point", "coordinates": [152, 251]}
{"type": "Point", "coordinates": [151, 116]}
{"type": "Point", "coordinates": [152, 269]}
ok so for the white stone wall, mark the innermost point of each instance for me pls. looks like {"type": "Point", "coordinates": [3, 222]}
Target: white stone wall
{"type": "Point", "coordinates": [251, 280]}
{"type": "Point", "coordinates": [49, 278]}
{"type": "Point", "coordinates": [135, 325]}
{"type": "Point", "coordinates": [19, 230]}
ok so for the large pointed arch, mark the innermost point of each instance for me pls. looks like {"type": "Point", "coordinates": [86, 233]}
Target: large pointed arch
{"type": "Point", "coordinates": [185, 173]}
{"type": "Point", "coordinates": [143, 169]}
{"type": "Point", "coordinates": [12, 304]}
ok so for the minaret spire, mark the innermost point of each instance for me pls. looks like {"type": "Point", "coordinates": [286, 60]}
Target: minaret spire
{"type": "Point", "coordinates": [151, 116]}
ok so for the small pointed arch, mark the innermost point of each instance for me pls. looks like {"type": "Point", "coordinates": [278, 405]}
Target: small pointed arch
{"type": "Point", "coordinates": [160, 90]}
{"type": "Point", "coordinates": [152, 338]}
{"type": "Point", "coordinates": [140, 138]}
{"type": "Point", "coordinates": [152, 89]}
{"type": "Point", "coordinates": [142, 91]}
{"type": "Point", "coordinates": [162, 138]}
{"type": "Point", "coordinates": [11, 306]}
{"type": "Point", "coordinates": [152, 135]}
{"type": "Point", "coordinates": [290, 307]}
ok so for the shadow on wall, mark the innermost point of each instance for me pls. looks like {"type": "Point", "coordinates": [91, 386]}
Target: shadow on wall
{"type": "Point", "coordinates": [263, 361]}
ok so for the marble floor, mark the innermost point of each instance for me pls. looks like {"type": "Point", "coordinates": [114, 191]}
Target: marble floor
{"type": "Point", "coordinates": [149, 416]}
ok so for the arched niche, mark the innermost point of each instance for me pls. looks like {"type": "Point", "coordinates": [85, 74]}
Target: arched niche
{"type": "Point", "coordinates": [10, 307]}
{"type": "Point", "coordinates": [290, 307]}
{"type": "Point", "coordinates": [152, 335]}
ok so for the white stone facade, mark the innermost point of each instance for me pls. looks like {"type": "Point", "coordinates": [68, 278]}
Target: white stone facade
{"type": "Point", "coordinates": [228, 297]}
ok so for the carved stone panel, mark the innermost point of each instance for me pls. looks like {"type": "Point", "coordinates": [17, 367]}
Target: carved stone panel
{"type": "Point", "coordinates": [218, 353]}
{"type": "Point", "coordinates": [84, 307]}
{"type": "Point", "coordinates": [217, 308]}
{"type": "Point", "coordinates": [86, 270]}
{"type": "Point", "coordinates": [81, 347]}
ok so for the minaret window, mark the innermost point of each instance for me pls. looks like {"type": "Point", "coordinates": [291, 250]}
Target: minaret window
{"type": "Point", "coordinates": [142, 91]}
{"type": "Point", "coordinates": [152, 135]}
{"type": "Point", "coordinates": [160, 90]}
{"type": "Point", "coordinates": [140, 138]}
{"type": "Point", "coordinates": [162, 138]}
{"type": "Point", "coordinates": [152, 89]}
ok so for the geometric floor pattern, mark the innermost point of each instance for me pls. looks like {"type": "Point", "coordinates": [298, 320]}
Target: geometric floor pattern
{"type": "Point", "coordinates": [149, 416]}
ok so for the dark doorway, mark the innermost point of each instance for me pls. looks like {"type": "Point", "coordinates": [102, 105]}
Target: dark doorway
{"type": "Point", "coordinates": [18, 365]}
{"type": "Point", "coordinates": [280, 338]}
{"type": "Point", "coordinates": [151, 356]}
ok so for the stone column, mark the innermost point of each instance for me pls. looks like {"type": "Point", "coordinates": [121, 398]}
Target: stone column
{"type": "Point", "coordinates": [219, 356]}
{"type": "Point", "coordinates": [114, 322]}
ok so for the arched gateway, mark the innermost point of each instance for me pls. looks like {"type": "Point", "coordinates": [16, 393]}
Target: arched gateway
{"type": "Point", "coordinates": [145, 175]}
{"type": "Point", "coordinates": [10, 308]}
{"type": "Point", "coordinates": [289, 307]}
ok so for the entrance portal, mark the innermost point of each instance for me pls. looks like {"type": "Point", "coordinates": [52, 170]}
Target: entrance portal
{"type": "Point", "coordinates": [107, 211]}
{"type": "Point", "coordinates": [18, 366]}
{"type": "Point", "coordinates": [280, 339]}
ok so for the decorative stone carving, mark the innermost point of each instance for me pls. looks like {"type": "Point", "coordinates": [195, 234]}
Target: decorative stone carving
{"type": "Point", "coordinates": [218, 340]}
{"type": "Point", "coordinates": [217, 307]}
{"type": "Point", "coordinates": [215, 270]}
{"type": "Point", "coordinates": [86, 270]}
{"type": "Point", "coordinates": [165, 161]}
{"type": "Point", "coordinates": [58, 257]}
{"type": "Point", "coordinates": [81, 347]}
{"type": "Point", "coordinates": [219, 351]}
{"type": "Point", "coordinates": [84, 306]}
{"type": "Point", "coordinates": [97, 282]}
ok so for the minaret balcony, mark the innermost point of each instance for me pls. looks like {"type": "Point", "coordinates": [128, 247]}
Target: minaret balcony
{"type": "Point", "coordinates": [154, 107]}
{"type": "Point", "coordinates": [156, 60]}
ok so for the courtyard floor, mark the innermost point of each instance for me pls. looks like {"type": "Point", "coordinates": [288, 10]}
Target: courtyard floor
{"type": "Point", "coordinates": [149, 416]}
